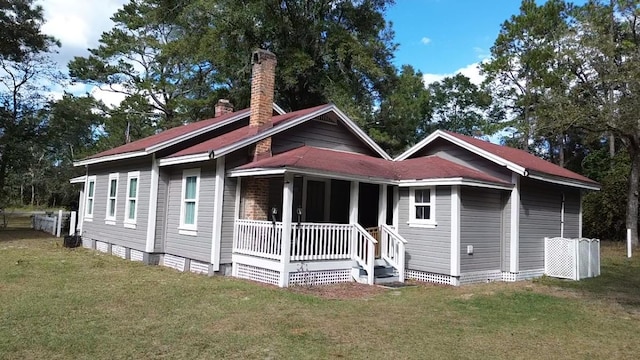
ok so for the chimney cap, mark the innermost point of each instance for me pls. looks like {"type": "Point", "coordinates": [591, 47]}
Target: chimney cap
{"type": "Point", "coordinates": [261, 55]}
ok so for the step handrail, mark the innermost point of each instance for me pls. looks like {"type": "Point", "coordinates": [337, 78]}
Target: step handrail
{"type": "Point", "coordinates": [363, 250]}
{"type": "Point", "coordinates": [393, 249]}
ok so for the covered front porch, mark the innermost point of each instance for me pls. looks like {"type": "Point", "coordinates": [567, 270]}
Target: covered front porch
{"type": "Point", "coordinates": [295, 228]}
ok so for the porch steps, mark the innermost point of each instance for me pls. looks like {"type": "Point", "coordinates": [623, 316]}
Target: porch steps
{"type": "Point", "coordinates": [382, 274]}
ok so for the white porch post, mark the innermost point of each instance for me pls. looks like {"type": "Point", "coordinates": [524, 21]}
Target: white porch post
{"type": "Point", "coordinates": [217, 213]}
{"type": "Point", "coordinates": [382, 205]}
{"type": "Point", "coordinates": [396, 208]}
{"type": "Point", "coordinates": [515, 224]}
{"type": "Point", "coordinates": [287, 203]}
{"type": "Point", "coordinates": [580, 216]}
{"type": "Point", "coordinates": [353, 212]}
{"type": "Point", "coordinates": [353, 202]}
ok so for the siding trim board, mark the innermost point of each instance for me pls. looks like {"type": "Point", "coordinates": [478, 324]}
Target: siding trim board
{"type": "Point", "coordinates": [217, 213]}
{"type": "Point", "coordinates": [153, 204]}
{"type": "Point", "coordinates": [455, 230]}
{"type": "Point", "coordinates": [515, 225]}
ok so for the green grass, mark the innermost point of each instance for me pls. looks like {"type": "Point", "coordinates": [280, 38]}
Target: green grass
{"type": "Point", "coordinates": [61, 303]}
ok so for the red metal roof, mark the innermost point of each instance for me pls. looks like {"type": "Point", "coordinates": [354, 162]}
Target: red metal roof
{"type": "Point", "coordinates": [522, 158]}
{"type": "Point", "coordinates": [243, 133]}
{"type": "Point", "coordinates": [339, 162]}
{"type": "Point", "coordinates": [142, 144]}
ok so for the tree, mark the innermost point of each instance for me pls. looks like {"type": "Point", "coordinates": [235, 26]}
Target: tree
{"type": "Point", "coordinates": [25, 70]}
{"type": "Point", "coordinates": [401, 112]}
{"type": "Point", "coordinates": [20, 35]}
{"type": "Point", "coordinates": [181, 55]}
{"type": "Point", "coordinates": [458, 105]}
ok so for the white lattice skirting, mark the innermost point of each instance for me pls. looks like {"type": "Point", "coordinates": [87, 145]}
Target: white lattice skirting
{"type": "Point", "coordinates": [136, 255]}
{"type": "Point", "coordinates": [258, 274]}
{"type": "Point", "coordinates": [87, 243]}
{"type": "Point", "coordinates": [430, 277]}
{"type": "Point", "coordinates": [323, 277]}
{"type": "Point", "coordinates": [199, 267]}
{"type": "Point", "coordinates": [174, 262]}
{"type": "Point", "coordinates": [480, 277]}
{"type": "Point", "coordinates": [102, 246]}
{"type": "Point", "coordinates": [119, 251]}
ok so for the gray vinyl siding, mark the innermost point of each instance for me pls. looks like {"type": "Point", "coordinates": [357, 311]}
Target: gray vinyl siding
{"type": "Point", "coordinates": [571, 213]}
{"type": "Point", "coordinates": [320, 134]}
{"type": "Point", "coordinates": [540, 205]}
{"type": "Point", "coordinates": [427, 249]}
{"type": "Point", "coordinates": [481, 219]}
{"type": "Point", "coordinates": [229, 206]}
{"type": "Point", "coordinates": [456, 154]}
{"type": "Point", "coordinates": [506, 230]}
{"type": "Point", "coordinates": [192, 247]}
{"type": "Point", "coordinates": [161, 214]}
{"type": "Point", "coordinates": [117, 234]}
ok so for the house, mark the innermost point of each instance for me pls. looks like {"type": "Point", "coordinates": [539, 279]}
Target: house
{"type": "Point", "coordinates": [308, 197]}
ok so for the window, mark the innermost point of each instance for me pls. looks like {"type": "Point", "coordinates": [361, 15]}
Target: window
{"type": "Point", "coordinates": [112, 199]}
{"type": "Point", "coordinates": [131, 207]}
{"type": "Point", "coordinates": [189, 206]}
{"type": "Point", "coordinates": [91, 190]}
{"type": "Point", "coordinates": [422, 206]}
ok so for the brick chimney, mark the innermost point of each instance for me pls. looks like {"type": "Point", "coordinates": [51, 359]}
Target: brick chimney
{"type": "Point", "coordinates": [223, 106]}
{"type": "Point", "coordinates": [256, 190]}
{"type": "Point", "coordinates": [262, 89]}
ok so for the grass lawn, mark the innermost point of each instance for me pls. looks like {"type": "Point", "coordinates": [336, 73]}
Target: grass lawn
{"type": "Point", "coordinates": [61, 303]}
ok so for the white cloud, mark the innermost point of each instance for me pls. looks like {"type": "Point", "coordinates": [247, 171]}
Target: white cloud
{"type": "Point", "coordinates": [78, 24]}
{"type": "Point", "coordinates": [425, 40]}
{"type": "Point", "coordinates": [471, 71]}
{"type": "Point", "coordinates": [110, 98]}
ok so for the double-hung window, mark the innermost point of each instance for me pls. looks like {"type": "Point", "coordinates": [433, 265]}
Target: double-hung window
{"type": "Point", "coordinates": [91, 191]}
{"type": "Point", "coordinates": [422, 211]}
{"type": "Point", "coordinates": [189, 204]}
{"type": "Point", "coordinates": [112, 199]}
{"type": "Point", "coordinates": [131, 207]}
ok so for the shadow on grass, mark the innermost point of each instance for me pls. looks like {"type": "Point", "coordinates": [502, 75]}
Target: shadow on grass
{"type": "Point", "coordinates": [619, 280]}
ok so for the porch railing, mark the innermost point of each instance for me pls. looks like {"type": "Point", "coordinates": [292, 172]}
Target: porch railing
{"type": "Point", "coordinates": [258, 238]}
{"type": "Point", "coordinates": [320, 241]}
{"type": "Point", "coordinates": [312, 241]}
{"type": "Point", "coordinates": [392, 249]}
{"type": "Point", "coordinates": [364, 250]}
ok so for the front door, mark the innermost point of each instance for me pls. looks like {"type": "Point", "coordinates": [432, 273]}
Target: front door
{"type": "Point", "coordinates": [314, 209]}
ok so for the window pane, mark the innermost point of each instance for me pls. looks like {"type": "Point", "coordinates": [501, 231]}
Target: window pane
{"type": "Point", "coordinates": [91, 185]}
{"type": "Point", "coordinates": [190, 191]}
{"type": "Point", "coordinates": [132, 209]}
{"type": "Point", "coordinates": [113, 187]}
{"type": "Point", "coordinates": [423, 212]}
{"type": "Point", "coordinates": [112, 207]}
{"type": "Point", "coordinates": [423, 196]}
{"type": "Point", "coordinates": [133, 187]}
{"type": "Point", "coordinates": [189, 213]}
{"type": "Point", "coordinates": [90, 207]}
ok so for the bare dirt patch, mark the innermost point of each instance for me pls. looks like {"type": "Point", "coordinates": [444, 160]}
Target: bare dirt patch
{"type": "Point", "coordinates": [344, 291]}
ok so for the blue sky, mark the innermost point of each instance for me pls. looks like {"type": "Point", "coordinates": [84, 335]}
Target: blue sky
{"type": "Point", "coordinates": [437, 37]}
{"type": "Point", "coordinates": [443, 36]}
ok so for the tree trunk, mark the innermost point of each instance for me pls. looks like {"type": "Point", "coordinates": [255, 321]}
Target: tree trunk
{"type": "Point", "coordinates": [33, 194]}
{"type": "Point", "coordinates": [612, 146]}
{"type": "Point", "coordinates": [632, 195]}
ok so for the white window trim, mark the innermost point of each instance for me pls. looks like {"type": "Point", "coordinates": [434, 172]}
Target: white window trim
{"type": "Point", "coordinates": [189, 229]}
{"type": "Point", "coordinates": [111, 220]}
{"type": "Point", "coordinates": [131, 223]}
{"type": "Point", "coordinates": [413, 222]}
{"type": "Point", "coordinates": [87, 216]}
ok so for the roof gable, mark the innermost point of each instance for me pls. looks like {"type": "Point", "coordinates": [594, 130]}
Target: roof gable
{"type": "Point", "coordinates": [516, 160]}
{"type": "Point", "coordinates": [239, 138]}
